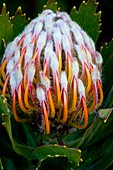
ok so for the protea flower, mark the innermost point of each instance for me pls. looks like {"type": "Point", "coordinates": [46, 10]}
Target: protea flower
{"type": "Point", "coordinates": [52, 70]}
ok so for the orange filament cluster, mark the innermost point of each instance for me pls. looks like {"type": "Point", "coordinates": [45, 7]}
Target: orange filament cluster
{"type": "Point", "coordinates": [52, 69]}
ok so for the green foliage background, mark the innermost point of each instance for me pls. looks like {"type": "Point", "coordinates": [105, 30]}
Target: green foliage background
{"type": "Point", "coordinates": [88, 149]}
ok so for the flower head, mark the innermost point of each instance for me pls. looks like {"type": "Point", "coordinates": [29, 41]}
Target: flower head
{"type": "Point", "coordinates": [53, 70]}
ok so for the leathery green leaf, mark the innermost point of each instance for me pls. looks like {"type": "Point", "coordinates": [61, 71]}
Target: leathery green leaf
{"type": "Point", "coordinates": [6, 30]}
{"type": "Point", "coordinates": [51, 4]}
{"type": "Point", "coordinates": [18, 21]}
{"type": "Point", "coordinates": [106, 50]}
{"type": "Point", "coordinates": [87, 18]}
{"type": "Point", "coordinates": [108, 74]}
{"type": "Point", "coordinates": [98, 155]}
{"type": "Point", "coordinates": [23, 150]}
{"type": "Point", "coordinates": [73, 155]}
{"type": "Point", "coordinates": [1, 167]}
{"type": "Point", "coordinates": [97, 130]}
{"type": "Point", "coordinates": [108, 102]}
{"type": "Point", "coordinates": [56, 163]}
{"type": "Point", "coordinates": [105, 113]}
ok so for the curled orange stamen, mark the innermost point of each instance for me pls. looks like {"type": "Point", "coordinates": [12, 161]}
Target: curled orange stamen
{"type": "Point", "coordinates": [34, 39]}
{"type": "Point", "coordinates": [69, 68]}
{"type": "Point", "coordinates": [51, 104]}
{"type": "Point", "coordinates": [20, 99]}
{"type": "Point", "coordinates": [1, 83]}
{"type": "Point", "coordinates": [59, 58]}
{"type": "Point", "coordinates": [25, 76]}
{"type": "Point", "coordinates": [22, 56]}
{"type": "Point", "coordinates": [65, 105]}
{"type": "Point", "coordinates": [101, 93]}
{"type": "Point", "coordinates": [21, 41]}
{"type": "Point", "coordinates": [2, 69]}
{"type": "Point", "coordinates": [93, 105]}
{"type": "Point", "coordinates": [35, 55]}
{"type": "Point", "coordinates": [45, 68]}
{"type": "Point", "coordinates": [74, 98]}
{"type": "Point", "coordinates": [57, 89]}
{"type": "Point", "coordinates": [88, 79]}
{"type": "Point", "coordinates": [26, 98]}
{"type": "Point", "coordinates": [18, 119]}
{"type": "Point", "coordinates": [46, 117]}
{"type": "Point", "coordinates": [85, 111]}
{"type": "Point", "coordinates": [37, 65]}
{"type": "Point", "coordinates": [5, 85]}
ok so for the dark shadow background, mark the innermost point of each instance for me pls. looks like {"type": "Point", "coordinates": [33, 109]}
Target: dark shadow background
{"type": "Point", "coordinates": [33, 7]}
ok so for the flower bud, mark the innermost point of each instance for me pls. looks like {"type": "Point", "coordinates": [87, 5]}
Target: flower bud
{"type": "Point", "coordinates": [52, 70]}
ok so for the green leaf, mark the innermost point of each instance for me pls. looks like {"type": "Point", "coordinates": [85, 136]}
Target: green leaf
{"type": "Point", "coordinates": [63, 5]}
{"type": "Point", "coordinates": [51, 4]}
{"type": "Point", "coordinates": [108, 75]}
{"type": "Point", "coordinates": [99, 155]}
{"type": "Point", "coordinates": [105, 113]}
{"type": "Point", "coordinates": [108, 102]}
{"type": "Point", "coordinates": [73, 138]}
{"type": "Point", "coordinates": [106, 50]}
{"type": "Point", "coordinates": [56, 163]}
{"type": "Point", "coordinates": [3, 105]}
{"type": "Point", "coordinates": [19, 22]}
{"type": "Point", "coordinates": [23, 150]}
{"type": "Point", "coordinates": [87, 18]}
{"type": "Point", "coordinates": [6, 30]}
{"type": "Point", "coordinates": [16, 163]}
{"type": "Point", "coordinates": [73, 155]}
{"type": "Point", "coordinates": [97, 130]}
{"type": "Point", "coordinates": [1, 166]}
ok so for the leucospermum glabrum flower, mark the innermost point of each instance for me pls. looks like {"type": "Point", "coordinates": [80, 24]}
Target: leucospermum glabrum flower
{"type": "Point", "coordinates": [52, 70]}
